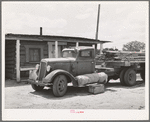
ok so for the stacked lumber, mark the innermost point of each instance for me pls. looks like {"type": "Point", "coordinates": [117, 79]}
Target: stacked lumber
{"type": "Point", "coordinates": [122, 56]}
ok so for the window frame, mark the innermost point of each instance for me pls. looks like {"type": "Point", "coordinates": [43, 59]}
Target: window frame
{"type": "Point", "coordinates": [41, 47]}
{"type": "Point", "coordinates": [91, 55]}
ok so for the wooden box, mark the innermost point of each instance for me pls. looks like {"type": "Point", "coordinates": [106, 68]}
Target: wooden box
{"type": "Point", "coordinates": [96, 88]}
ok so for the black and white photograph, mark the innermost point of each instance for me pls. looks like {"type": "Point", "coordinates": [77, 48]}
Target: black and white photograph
{"type": "Point", "coordinates": [75, 60]}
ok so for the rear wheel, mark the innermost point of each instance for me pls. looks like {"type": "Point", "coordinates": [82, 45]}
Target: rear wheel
{"type": "Point", "coordinates": [130, 77]}
{"type": "Point", "coordinates": [122, 77]}
{"type": "Point", "coordinates": [36, 87]}
{"type": "Point", "coordinates": [60, 86]}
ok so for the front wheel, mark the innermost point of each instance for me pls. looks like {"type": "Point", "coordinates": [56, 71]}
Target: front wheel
{"type": "Point", "coordinates": [36, 87]}
{"type": "Point", "coordinates": [130, 77]}
{"type": "Point", "coordinates": [60, 86]}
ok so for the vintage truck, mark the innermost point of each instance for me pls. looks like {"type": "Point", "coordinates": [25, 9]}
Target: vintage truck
{"type": "Point", "coordinates": [58, 72]}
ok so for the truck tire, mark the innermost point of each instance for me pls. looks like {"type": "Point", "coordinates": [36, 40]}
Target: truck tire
{"type": "Point", "coordinates": [142, 74]}
{"type": "Point", "coordinates": [37, 88]}
{"type": "Point", "coordinates": [130, 77]}
{"type": "Point", "coordinates": [60, 86]}
{"type": "Point", "coordinates": [122, 77]}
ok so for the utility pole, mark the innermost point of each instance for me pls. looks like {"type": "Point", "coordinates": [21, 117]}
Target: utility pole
{"type": "Point", "coordinates": [96, 37]}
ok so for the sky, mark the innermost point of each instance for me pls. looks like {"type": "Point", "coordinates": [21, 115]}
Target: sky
{"type": "Point", "coordinates": [119, 22]}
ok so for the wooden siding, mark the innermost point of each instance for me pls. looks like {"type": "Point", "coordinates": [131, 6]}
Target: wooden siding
{"type": "Point", "coordinates": [10, 59]}
{"type": "Point", "coordinates": [23, 56]}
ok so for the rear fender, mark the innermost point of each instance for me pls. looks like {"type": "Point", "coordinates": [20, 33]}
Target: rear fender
{"type": "Point", "coordinates": [51, 76]}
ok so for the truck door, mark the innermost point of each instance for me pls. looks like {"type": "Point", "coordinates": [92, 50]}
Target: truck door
{"type": "Point", "coordinates": [85, 62]}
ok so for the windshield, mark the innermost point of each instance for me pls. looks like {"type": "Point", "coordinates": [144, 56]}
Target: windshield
{"type": "Point", "coordinates": [69, 53]}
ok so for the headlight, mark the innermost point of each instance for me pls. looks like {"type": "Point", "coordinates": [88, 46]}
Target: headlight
{"type": "Point", "coordinates": [48, 68]}
{"type": "Point", "coordinates": [37, 66]}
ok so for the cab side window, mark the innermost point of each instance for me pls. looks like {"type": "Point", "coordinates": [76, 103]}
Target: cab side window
{"type": "Point", "coordinates": [85, 54]}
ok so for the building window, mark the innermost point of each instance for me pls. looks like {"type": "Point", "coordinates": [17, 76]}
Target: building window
{"type": "Point", "coordinates": [34, 54]}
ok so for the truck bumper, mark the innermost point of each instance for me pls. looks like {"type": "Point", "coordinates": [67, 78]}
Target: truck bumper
{"type": "Point", "coordinates": [38, 83]}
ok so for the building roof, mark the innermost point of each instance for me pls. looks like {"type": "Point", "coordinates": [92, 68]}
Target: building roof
{"type": "Point", "coordinates": [28, 37]}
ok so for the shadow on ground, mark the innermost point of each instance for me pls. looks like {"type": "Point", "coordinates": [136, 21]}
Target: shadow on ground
{"type": "Point", "coordinates": [14, 83]}
{"type": "Point", "coordinates": [139, 83]}
{"type": "Point", "coordinates": [83, 91]}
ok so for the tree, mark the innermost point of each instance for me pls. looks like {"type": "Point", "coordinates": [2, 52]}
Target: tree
{"type": "Point", "coordinates": [134, 46]}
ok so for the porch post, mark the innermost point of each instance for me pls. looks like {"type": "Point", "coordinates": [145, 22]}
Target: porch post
{"type": "Point", "coordinates": [18, 60]}
{"type": "Point", "coordinates": [101, 48]}
{"type": "Point", "coordinates": [77, 44]}
{"type": "Point", "coordinates": [49, 49]}
{"type": "Point", "coordinates": [56, 49]}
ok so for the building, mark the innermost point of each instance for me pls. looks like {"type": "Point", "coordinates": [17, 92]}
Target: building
{"type": "Point", "coordinates": [23, 52]}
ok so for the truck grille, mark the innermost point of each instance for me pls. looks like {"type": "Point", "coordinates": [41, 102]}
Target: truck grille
{"type": "Point", "coordinates": [42, 71]}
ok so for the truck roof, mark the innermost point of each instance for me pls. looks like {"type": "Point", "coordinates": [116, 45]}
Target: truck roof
{"type": "Point", "coordinates": [78, 48]}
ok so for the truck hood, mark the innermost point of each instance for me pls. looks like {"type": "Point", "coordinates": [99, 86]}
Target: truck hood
{"type": "Point", "coordinates": [58, 60]}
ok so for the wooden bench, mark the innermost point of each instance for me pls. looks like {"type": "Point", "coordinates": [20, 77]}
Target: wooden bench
{"type": "Point", "coordinates": [26, 69]}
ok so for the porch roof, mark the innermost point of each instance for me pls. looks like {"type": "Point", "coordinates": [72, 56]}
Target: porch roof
{"type": "Point", "coordinates": [52, 38]}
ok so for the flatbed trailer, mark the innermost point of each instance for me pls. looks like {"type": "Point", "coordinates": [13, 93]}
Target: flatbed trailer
{"type": "Point", "coordinates": [125, 70]}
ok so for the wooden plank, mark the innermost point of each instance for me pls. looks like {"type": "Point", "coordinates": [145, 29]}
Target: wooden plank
{"type": "Point", "coordinates": [9, 58]}
{"type": "Point", "coordinates": [22, 58]}
{"type": "Point", "coordinates": [10, 66]}
{"type": "Point", "coordinates": [49, 49]}
{"type": "Point", "coordinates": [56, 49]}
{"type": "Point", "coordinates": [77, 44]}
{"type": "Point", "coordinates": [33, 43]}
{"type": "Point", "coordinates": [101, 48]}
{"type": "Point", "coordinates": [10, 50]}
{"type": "Point", "coordinates": [10, 62]}
{"type": "Point", "coordinates": [46, 47]}
{"type": "Point", "coordinates": [10, 46]}
{"type": "Point", "coordinates": [10, 70]}
{"type": "Point", "coordinates": [27, 69]}
{"type": "Point", "coordinates": [9, 75]}
{"type": "Point", "coordinates": [18, 60]}
{"type": "Point", "coordinates": [11, 54]}
{"type": "Point", "coordinates": [22, 52]}
{"type": "Point", "coordinates": [45, 53]}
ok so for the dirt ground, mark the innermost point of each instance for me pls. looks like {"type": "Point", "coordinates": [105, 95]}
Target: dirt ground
{"type": "Point", "coordinates": [22, 96]}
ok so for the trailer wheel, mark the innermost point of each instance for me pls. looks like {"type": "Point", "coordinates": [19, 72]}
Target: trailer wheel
{"type": "Point", "coordinates": [130, 77]}
{"type": "Point", "coordinates": [122, 77]}
{"type": "Point", "coordinates": [60, 86]}
{"type": "Point", "coordinates": [142, 74]}
{"type": "Point", "coordinates": [36, 87]}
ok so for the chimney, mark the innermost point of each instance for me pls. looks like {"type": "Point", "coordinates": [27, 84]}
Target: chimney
{"type": "Point", "coordinates": [41, 31]}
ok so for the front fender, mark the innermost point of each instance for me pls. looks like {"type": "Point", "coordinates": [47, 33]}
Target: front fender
{"type": "Point", "coordinates": [50, 77]}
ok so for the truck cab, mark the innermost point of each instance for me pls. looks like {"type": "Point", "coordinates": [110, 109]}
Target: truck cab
{"type": "Point", "coordinates": [57, 72]}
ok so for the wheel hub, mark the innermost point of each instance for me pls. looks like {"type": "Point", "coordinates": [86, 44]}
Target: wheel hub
{"type": "Point", "coordinates": [61, 85]}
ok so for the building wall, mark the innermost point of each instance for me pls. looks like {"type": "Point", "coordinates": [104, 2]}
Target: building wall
{"type": "Point", "coordinates": [10, 59]}
{"type": "Point", "coordinates": [24, 54]}
{"type": "Point", "coordinates": [24, 49]}
{"type": "Point", "coordinates": [47, 50]}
